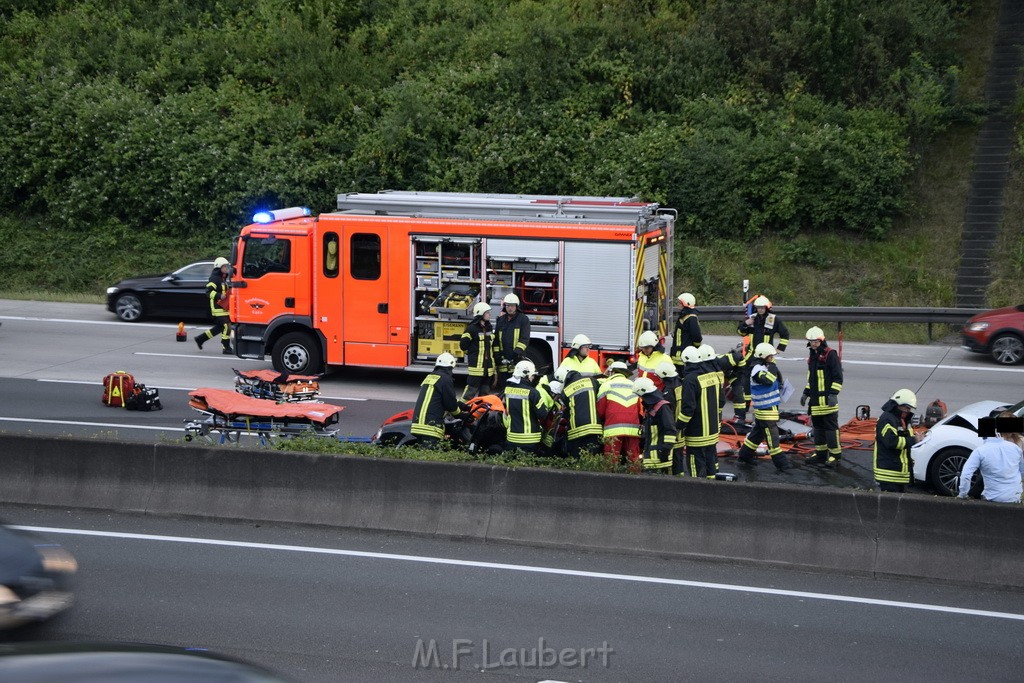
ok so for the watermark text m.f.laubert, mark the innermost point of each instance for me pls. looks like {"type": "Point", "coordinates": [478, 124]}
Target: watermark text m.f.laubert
{"type": "Point", "coordinates": [485, 655]}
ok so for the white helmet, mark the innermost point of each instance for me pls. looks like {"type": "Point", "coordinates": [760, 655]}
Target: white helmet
{"type": "Point", "coordinates": [905, 397]}
{"type": "Point", "coordinates": [481, 308]}
{"type": "Point", "coordinates": [691, 355]}
{"type": "Point", "coordinates": [445, 360]}
{"type": "Point", "coordinates": [643, 385]}
{"type": "Point", "coordinates": [524, 368]}
{"type": "Point", "coordinates": [560, 374]}
{"type": "Point", "coordinates": [706, 352]}
{"type": "Point", "coordinates": [647, 338]}
{"type": "Point", "coordinates": [815, 334]}
{"type": "Point", "coordinates": [220, 262]}
{"type": "Point", "coordinates": [555, 387]}
{"type": "Point", "coordinates": [580, 340]}
{"type": "Point", "coordinates": [762, 300]}
{"type": "Point", "coordinates": [764, 350]}
{"type": "Point", "coordinates": [511, 299]}
{"type": "Point", "coordinates": [666, 369]}
{"type": "Point", "coordinates": [617, 366]}
{"type": "Point", "coordinates": [686, 300]}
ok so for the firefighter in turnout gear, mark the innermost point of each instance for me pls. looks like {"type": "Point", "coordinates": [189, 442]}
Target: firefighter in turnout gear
{"type": "Point", "coordinates": [765, 385]}
{"type": "Point", "coordinates": [511, 337]}
{"type": "Point", "coordinates": [687, 332]}
{"type": "Point", "coordinates": [618, 409]}
{"type": "Point", "coordinates": [217, 293]}
{"type": "Point", "coordinates": [894, 436]}
{"type": "Point", "coordinates": [436, 399]}
{"type": "Point", "coordinates": [700, 412]}
{"type": "Point", "coordinates": [477, 343]}
{"type": "Point", "coordinates": [659, 430]}
{"type": "Point", "coordinates": [525, 409]}
{"type": "Point", "coordinates": [761, 327]}
{"type": "Point", "coordinates": [579, 359]}
{"type": "Point", "coordinates": [651, 355]}
{"type": "Point", "coordinates": [584, 429]}
{"type": "Point", "coordinates": [824, 382]}
{"type": "Point", "coordinates": [672, 390]}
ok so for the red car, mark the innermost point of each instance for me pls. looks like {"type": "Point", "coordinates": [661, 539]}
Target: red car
{"type": "Point", "coordinates": [999, 333]}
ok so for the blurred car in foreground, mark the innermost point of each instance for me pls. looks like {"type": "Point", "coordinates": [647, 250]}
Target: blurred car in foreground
{"type": "Point", "coordinates": [123, 663]}
{"type": "Point", "coordinates": [940, 454]}
{"type": "Point", "coordinates": [181, 294]}
{"type": "Point", "coordinates": [35, 579]}
{"type": "Point", "coordinates": [999, 333]}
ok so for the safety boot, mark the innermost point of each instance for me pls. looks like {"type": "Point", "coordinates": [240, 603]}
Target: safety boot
{"type": "Point", "coordinates": [200, 339]}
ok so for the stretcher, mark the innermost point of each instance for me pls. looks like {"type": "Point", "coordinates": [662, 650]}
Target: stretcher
{"type": "Point", "coordinates": [230, 414]}
{"type": "Point", "coordinates": [276, 386]}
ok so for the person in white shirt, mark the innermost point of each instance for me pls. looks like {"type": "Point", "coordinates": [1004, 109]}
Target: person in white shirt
{"type": "Point", "coordinates": [1001, 463]}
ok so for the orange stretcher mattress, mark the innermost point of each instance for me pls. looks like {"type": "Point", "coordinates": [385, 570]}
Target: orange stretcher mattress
{"type": "Point", "coordinates": [233, 406]}
{"type": "Point", "coordinates": [272, 376]}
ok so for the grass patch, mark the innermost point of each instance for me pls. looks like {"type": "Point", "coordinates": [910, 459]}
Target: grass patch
{"type": "Point", "coordinates": [44, 295]}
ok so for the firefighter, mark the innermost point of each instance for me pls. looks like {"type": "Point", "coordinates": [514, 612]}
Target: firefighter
{"type": "Point", "coordinates": [511, 335]}
{"type": "Point", "coordinates": [477, 343]}
{"type": "Point", "coordinates": [584, 428]}
{"type": "Point", "coordinates": [659, 430]}
{"type": "Point", "coordinates": [687, 332]}
{"type": "Point", "coordinates": [618, 409]}
{"type": "Point", "coordinates": [672, 390]}
{"type": "Point", "coordinates": [217, 293]}
{"type": "Point", "coordinates": [552, 441]}
{"type": "Point", "coordinates": [765, 386]}
{"type": "Point", "coordinates": [824, 382]}
{"type": "Point", "coordinates": [652, 353]}
{"type": "Point", "coordinates": [700, 414]}
{"type": "Point", "coordinates": [579, 359]}
{"type": "Point", "coordinates": [894, 436]}
{"type": "Point", "coordinates": [761, 327]}
{"type": "Point", "coordinates": [525, 409]}
{"type": "Point", "coordinates": [436, 399]}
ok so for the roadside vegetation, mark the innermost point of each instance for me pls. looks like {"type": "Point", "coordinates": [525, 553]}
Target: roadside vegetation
{"type": "Point", "coordinates": [817, 147]}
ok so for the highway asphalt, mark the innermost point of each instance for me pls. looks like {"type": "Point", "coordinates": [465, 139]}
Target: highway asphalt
{"type": "Point", "coordinates": [331, 605]}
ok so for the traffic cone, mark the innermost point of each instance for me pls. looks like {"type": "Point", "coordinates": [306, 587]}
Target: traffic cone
{"type": "Point", "coordinates": [181, 336]}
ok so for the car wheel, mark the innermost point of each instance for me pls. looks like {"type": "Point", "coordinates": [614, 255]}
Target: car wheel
{"type": "Point", "coordinates": [128, 307]}
{"type": "Point", "coordinates": [1008, 349]}
{"type": "Point", "coordinates": [297, 353]}
{"type": "Point", "coordinates": [944, 470]}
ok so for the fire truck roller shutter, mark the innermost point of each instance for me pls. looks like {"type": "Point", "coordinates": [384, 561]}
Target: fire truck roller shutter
{"type": "Point", "coordinates": [540, 250]}
{"type": "Point", "coordinates": [598, 292]}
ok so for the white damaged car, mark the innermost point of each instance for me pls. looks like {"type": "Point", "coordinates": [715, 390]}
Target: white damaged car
{"type": "Point", "coordinates": [941, 452]}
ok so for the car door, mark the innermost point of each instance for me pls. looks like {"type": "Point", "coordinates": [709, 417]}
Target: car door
{"type": "Point", "coordinates": [186, 294]}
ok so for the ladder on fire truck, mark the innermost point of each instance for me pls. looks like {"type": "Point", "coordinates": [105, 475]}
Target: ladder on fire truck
{"type": "Point", "coordinates": [615, 210]}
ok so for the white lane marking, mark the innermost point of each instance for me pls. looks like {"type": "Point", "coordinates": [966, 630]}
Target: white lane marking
{"type": "Point", "coordinates": [88, 424]}
{"type": "Point", "coordinates": [192, 356]}
{"type": "Point", "coordinates": [928, 366]}
{"type": "Point", "coordinates": [82, 381]}
{"type": "Point", "coordinates": [92, 322]}
{"type": "Point", "coordinates": [529, 569]}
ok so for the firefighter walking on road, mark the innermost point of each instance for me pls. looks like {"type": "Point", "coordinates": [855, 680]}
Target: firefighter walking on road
{"type": "Point", "coordinates": [659, 430]}
{"type": "Point", "coordinates": [511, 337]}
{"type": "Point", "coordinates": [766, 391]}
{"type": "Point", "coordinates": [436, 399]}
{"type": "Point", "coordinates": [894, 436]}
{"type": "Point", "coordinates": [618, 410]}
{"type": "Point", "coordinates": [821, 395]}
{"type": "Point", "coordinates": [217, 293]}
{"type": "Point", "coordinates": [687, 332]}
{"type": "Point", "coordinates": [477, 343]}
{"type": "Point", "coordinates": [761, 327]}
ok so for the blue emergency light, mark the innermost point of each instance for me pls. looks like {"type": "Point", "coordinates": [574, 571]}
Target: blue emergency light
{"type": "Point", "coordinates": [281, 214]}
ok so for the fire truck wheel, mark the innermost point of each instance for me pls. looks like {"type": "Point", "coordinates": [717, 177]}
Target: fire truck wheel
{"type": "Point", "coordinates": [297, 353]}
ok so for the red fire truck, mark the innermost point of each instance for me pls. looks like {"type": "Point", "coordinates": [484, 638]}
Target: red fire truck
{"type": "Point", "coordinates": [390, 278]}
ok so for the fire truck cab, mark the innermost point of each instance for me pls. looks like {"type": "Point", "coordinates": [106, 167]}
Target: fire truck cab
{"type": "Point", "coordinates": [390, 279]}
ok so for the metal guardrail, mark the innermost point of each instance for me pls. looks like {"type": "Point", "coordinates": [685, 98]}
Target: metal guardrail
{"type": "Point", "coordinates": [852, 314]}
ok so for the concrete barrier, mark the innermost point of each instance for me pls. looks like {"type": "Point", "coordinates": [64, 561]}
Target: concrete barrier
{"type": "Point", "coordinates": [849, 532]}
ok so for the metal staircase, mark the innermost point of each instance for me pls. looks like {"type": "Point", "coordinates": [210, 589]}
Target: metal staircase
{"type": "Point", "coordinates": [991, 159]}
